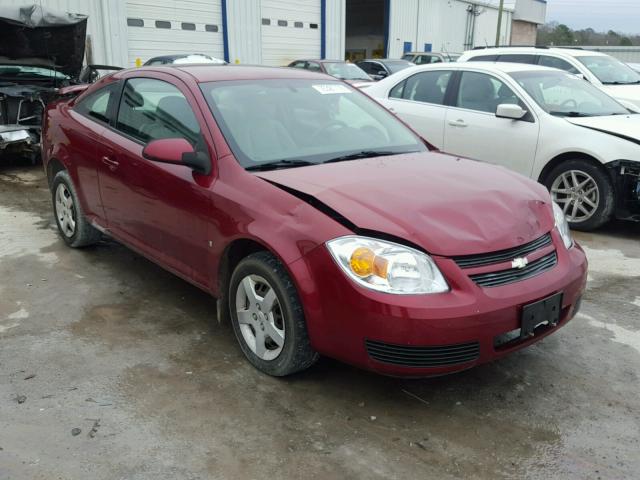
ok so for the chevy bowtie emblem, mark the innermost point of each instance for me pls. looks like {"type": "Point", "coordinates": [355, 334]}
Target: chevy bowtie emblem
{"type": "Point", "coordinates": [520, 262]}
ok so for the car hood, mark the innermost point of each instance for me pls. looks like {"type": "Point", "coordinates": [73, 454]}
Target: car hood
{"type": "Point", "coordinates": [624, 126]}
{"type": "Point", "coordinates": [447, 205]}
{"type": "Point", "coordinates": [627, 93]}
{"type": "Point", "coordinates": [42, 37]}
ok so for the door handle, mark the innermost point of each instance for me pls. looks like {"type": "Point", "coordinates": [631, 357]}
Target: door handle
{"type": "Point", "coordinates": [458, 123]}
{"type": "Point", "coordinates": [111, 163]}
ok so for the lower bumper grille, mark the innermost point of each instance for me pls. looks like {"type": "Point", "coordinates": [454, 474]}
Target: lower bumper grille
{"type": "Point", "coordinates": [495, 279]}
{"type": "Point", "coordinates": [431, 356]}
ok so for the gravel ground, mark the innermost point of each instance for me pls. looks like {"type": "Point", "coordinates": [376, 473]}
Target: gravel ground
{"type": "Point", "coordinates": [111, 368]}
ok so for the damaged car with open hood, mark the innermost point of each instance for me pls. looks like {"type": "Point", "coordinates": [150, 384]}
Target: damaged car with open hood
{"type": "Point", "coordinates": [322, 223]}
{"type": "Point", "coordinates": [41, 54]}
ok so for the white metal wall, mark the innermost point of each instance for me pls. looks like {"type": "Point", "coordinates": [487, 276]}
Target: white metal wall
{"type": "Point", "coordinates": [443, 24]}
{"type": "Point", "coordinates": [149, 41]}
{"type": "Point", "coordinates": [281, 44]}
{"type": "Point", "coordinates": [105, 26]}
{"type": "Point", "coordinates": [335, 29]}
{"type": "Point", "coordinates": [243, 30]}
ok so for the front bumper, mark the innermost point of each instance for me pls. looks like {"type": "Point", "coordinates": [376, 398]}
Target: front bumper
{"type": "Point", "coordinates": [361, 327]}
{"type": "Point", "coordinates": [625, 175]}
{"type": "Point", "coordinates": [17, 137]}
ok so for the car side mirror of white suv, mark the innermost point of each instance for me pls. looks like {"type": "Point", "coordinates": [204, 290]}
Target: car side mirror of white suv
{"type": "Point", "coordinates": [510, 110]}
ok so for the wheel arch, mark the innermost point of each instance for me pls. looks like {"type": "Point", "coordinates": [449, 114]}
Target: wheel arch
{"type": "Point", "coordinates": [53, 167]}
{"type": "Point", "coordinates": [557, 160]}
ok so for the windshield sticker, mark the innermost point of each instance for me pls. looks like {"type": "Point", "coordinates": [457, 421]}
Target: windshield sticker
{"type": "Point", "coordinates": [329, 88]}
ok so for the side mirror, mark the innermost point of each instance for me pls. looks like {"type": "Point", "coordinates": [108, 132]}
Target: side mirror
{"type": "Point", "coordinates": [177, 151]}
{"type": "Point", "coordinates": [509, 110]}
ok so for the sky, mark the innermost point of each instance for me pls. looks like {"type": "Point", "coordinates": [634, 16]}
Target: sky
{"type": "Point", "coordinates": [601, 15]}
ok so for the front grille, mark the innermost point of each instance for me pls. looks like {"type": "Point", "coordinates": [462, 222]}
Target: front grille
{"type": "Point", "coordinates": [503, 277]}
{"type": "Point", "coordinates": [431, 356]}
{"type": "Point", "coordinates": [471, 261]}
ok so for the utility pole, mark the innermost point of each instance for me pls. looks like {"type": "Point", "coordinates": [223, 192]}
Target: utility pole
{"type": "Point", "coordinates": [500, 10]}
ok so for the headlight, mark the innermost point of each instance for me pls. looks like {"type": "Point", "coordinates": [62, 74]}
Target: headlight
{"type": "Point", "coordinates": [562, 225]}
{"type": "Point", "coordinates": [387, 267]}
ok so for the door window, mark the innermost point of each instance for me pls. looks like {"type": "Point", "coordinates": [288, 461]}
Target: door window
{"type": "Point", "coordinates": [314, 67]}
{"type": "Point", "coordinates": [484, 93]}
{"type": "Point", "coordinates": [484, 58]}
{"type": "Point", "coordinates": [96, 105]}
{"type": "Point", "coordinates": [553, 62]}
{"type": "Point", "coordinates": [427, 87]}
{"type": "Point", "coordinates": [153, 109]}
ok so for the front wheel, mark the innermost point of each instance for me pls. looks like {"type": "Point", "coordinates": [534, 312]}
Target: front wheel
{"type": "Point", "coordinates": [584, 192]}
{"type": "Point", "coordinates": [267, 316]}
{"type": "Point", "coordinates": [73, 226]}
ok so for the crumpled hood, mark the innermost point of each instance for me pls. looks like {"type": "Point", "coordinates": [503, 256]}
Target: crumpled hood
{"type": "Point", "coordinates": [39, 36]}
{"type": "Point", "coordinates": [447, 205]}
{"type": "Point", "coordinates": [627, 126]}
{"type": "Point", "coordinates": [628, 93]}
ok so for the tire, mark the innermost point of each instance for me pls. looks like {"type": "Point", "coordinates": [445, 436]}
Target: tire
{"type": "Point", "coordinates": [73, 226]}
{"type": "Point", "coordinates": [274, 319]}
{"type": "Point", "coordinates": [596, 190]}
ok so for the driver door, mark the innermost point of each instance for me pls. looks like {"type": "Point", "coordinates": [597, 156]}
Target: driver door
{"type": "Point", "coordinates": [472, 129]}
{"type": "Point", "coordinates": [159, 208]}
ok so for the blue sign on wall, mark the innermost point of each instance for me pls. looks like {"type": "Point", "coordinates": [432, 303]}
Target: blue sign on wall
{"type": "Point", "coordinates": [428, 47]}
{"type": "Point", "coordinates": [407, 47]}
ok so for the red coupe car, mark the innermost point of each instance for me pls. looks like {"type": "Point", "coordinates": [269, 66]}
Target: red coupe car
{"type": "Point", "coordinates": [322, 223]}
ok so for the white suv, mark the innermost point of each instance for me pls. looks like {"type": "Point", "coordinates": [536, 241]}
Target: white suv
{"type": "Point", "coordinates": [605, 72]}
{"type": "Point", "coordinates": [549, 125]}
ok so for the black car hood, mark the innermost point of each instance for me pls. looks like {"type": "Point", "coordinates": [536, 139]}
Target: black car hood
{"type": "Point", "coordinates": [32, 35]}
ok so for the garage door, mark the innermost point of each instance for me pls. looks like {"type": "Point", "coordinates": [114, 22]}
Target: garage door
{"type": "Point", "coordinates": [178, 26]}
{"type": "Point", "coordinates": [290, 30]}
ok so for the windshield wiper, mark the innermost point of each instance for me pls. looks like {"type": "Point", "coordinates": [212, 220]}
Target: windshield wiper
{"type": "Point", "coordinates": [279, 164]}
{"type": "Point", "coordinates": [570, 114]}
{"type": "Point", "coordinates": [636, 82]}
{"type": "Point", "coordinates": [363, 154]}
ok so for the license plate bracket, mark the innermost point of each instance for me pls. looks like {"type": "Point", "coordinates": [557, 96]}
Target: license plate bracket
{"type": "Point", "coordinates": [542, 312]}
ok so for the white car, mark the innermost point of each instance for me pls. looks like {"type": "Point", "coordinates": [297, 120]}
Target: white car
{"type": "Point", "coordinates": [546, 124]}
{"type": "Point", "coordinates": [603, 71]}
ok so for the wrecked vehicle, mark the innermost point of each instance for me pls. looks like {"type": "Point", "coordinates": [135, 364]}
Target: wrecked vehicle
{"type": "Point", "coordinates": [41, 51]}
{"type": "Point", "coordinates": [322, 223]}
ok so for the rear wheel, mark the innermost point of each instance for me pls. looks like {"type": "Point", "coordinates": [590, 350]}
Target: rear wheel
{"type": "Point", "coordinates": [73, 226]}
{"type": "Point", "coordinates": [267, 316]}
{"type": "Point", "coordinates": [583, 191]}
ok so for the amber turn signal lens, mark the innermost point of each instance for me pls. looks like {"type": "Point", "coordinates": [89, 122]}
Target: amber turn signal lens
{"type": "Point", "coordinates": [364, 262]}
{"type": "Point", "coordinates": [361, 261]}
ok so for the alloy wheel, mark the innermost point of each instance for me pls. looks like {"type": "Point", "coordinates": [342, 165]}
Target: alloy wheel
{"type": "Point", "coordinates": [65, 211]}
{"type": "Point", "coordinates": [577, 194]}
{"type": "Point", "coordinates": [260, 317]}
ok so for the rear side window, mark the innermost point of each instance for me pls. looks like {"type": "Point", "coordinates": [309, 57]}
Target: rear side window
{"type": "Point", "coordinates": [528, 59]}
{"type": "Point", "coordinates": [153, 109]}
{"type": "Point", "coordinates": [96, 105]}
{"type": "Point", "coordinates": [298, 64]}
{"type": "Point", "coordinates": [553, 62]}
{"type": "Point", "coordinates": [426, 87]}
{"type": "Point", "coordinates": [484, 58]}
{"type": "Point", "coordinates": [314, 67]}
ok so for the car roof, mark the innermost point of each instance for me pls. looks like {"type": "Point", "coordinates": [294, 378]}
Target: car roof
{"type": "Point", "coordinates": [573, 52]}
{"type": "Point", "coordinates": [177, 56]}
{"type": "Point", "coordinates": [319, 60]}
{"type": "Point", "coordinates": [384, 60]}
{"type": "Point", "coordinates": [504, 67]}
{"type": "Point", "coordinates": [213, 73]}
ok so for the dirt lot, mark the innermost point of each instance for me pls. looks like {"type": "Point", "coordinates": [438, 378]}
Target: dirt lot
{"type": "Point", "coordinates": [104, 341]}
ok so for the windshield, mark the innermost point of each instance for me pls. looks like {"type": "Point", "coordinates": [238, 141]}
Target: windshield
{"type": "Point", "coordinates": [562, 94]}
{"type": "Point", "coordinates": [610, 71]}
{"type": "Point", "coordinates": [29, 71]}
{"type": "Point", "coordinates": [303, 120]}
{"type": "Point", "coordinates": [346, 71]}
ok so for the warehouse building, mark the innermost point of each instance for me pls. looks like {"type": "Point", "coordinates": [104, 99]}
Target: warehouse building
{"type": "Point", "coordinates": [275, 32]}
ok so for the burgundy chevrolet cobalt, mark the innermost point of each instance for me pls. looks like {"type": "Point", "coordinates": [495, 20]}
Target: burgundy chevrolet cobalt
{"type": "Point", "coordinates": [322, 223]}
